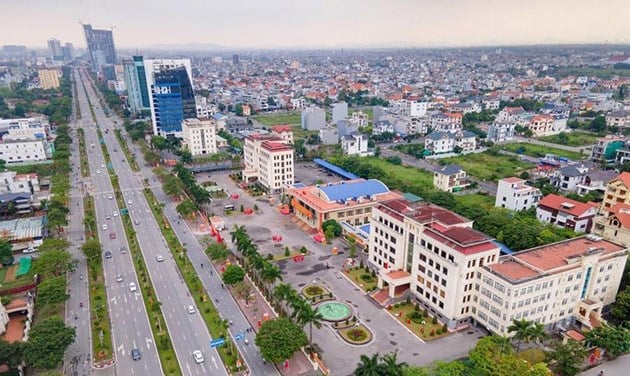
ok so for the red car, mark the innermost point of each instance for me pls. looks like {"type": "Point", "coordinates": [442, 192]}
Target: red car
{"type": "Point", "coordinates": [112, 235]}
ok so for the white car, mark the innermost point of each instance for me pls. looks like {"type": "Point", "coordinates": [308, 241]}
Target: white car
{"type": "Point", "coordinates": [104, 227]}
{"type": "Point", "coordinates": [115, 214]}
{"type": "Point", "coordinates": [129, 202]}
{"type": "Point", "coordinates": [98, 171]}
{"type": "Point", "coordinates": [198, 356]}
{"type": "Point", "coordinates": [132, 287]}
{"type": "Point", "coordinates": [191, 309]}
{"type": "Point", "coordinates": [159, 258]}
{"type": "Point", "coordinates": [108, 217]}
{"type": "Point", "coordinates": [103, 165]}
{"type": "Point", "coordinates": [110, 197]}
{"type": "Point", "coordinates": [119, 278]}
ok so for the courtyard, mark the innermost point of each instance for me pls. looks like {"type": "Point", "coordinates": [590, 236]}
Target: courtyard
{"type": "Point", "coordinates": [321, 267]}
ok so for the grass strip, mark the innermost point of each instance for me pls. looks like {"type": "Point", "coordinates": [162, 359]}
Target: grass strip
{"type": "Point", "coordinates": [216, 325]}
{"type": "Point", "coordinates": [100, 323]}
{"type": "Point", "coordinates": [164, 344]}
{"type": "Point", "coordinates": [125, 148]}
{"type": "Point", "coordinates": [85, 166]}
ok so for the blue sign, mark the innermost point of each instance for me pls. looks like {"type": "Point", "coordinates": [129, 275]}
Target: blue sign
{"type": "Point", "coordinates": [124, 211]}
{"type": "Point", "coordinates": [217, 342]}
{"type": "Point", "coordinates": [239, 336]}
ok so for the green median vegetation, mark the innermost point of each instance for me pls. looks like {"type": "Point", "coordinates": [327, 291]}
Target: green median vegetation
{"type": "Point", "coordinates": [216, 325]}
{"type": "Point", "coordinates": [123, 145]}
{"type": "Point", "coordinates": [100, 323]}
{"type": "Point", "coordinates": [85, 166]}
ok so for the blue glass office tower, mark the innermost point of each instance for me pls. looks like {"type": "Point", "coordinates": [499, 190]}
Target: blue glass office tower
{"type": "Point", "coordinates": [173, 100]}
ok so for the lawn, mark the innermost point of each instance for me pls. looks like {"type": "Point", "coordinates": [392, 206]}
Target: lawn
{"type": "Point", "coordinates": [571, 139]}
{"type": "Point", "coordinates": [487, 166]}
{"type": "Point", "coordinates": [362, 279]}
{"type": "Point", "coordinates": [290, 118]}
{"type": "Point", "coordinates": [402, 312]}
{"type": "Point", "coordinates": [408, 175]}
{"type": "Point", "coordinates": [539, 151]}
{"type": "Point", "coordinates": [476, 199]}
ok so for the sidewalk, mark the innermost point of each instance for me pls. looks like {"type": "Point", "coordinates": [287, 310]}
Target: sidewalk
{"type": "Point", "coordinates": [258, 310]}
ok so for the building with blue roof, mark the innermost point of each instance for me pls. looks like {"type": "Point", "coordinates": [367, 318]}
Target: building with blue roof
{"type": "Point", "coordinates": [345, 201]}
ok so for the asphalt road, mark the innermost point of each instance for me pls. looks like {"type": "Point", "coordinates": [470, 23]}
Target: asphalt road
{"type": "Point", "coordinates": [226, 306]}
{"type": "Point", "coordinates": [128, 314]}
{"type": "Point", "coordinates": [188, 331]}
{"type": "Point", "coordinates": [77, 360]}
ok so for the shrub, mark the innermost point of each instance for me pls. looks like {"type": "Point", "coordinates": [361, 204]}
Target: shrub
{"type": "Point", "coordinates": [396, 305]}
{"type": "Point", "coordinates": [270, 256]}
{"type": "Point", "coordinates": [408, 300]}
{"type": "Point", "coordinates": [347, 321]}
{"type": "Point", "coordinates": [255, 207]}
{"type": "Point", "coordinates": [367, 269]}
{"type": "Point", "coordinates": [287, 253]}
{"type": "Point", "coordinates": [434, 321]}
{"type": "Point", "coordinates": [438, 332]}
{"type": "Point", "coordinates": [361, 265]}
{"type": "Point", "coordinates": [416, 317]}
{"type": "Point", "coordinates": [432, 334]}
{"type": "Point", "coordinates": [425, 313]}
{"type": "Point", "coordinates": [444, 328]}
{"type": "Point", "coordinates": [417, 307]}
{"type": "Point", "coordinates": [357, 334]}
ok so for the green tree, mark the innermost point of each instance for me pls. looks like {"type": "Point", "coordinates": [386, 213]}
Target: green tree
{"type": "Point", "coordinates": [391, 366]}
{"type": "Point", "coordinates": [92, 251]}
{"type": "Point", "coordinates": [47, 343]}
{"type": "Point", "coordinates": [487, 355]}
{"type": "Point", "coordinates": [454, 368]}
{"type": "Point", "coordinates": [186, 157]}
{"type": "Point", "coordinates": [172, 186]}
{"type": "Point", "coordinates": [52, 291]}
{"type": "Point", "coordinates": [598, 124]}
{"type": "Point", "coordinates": [6, 253]}
{"type": "Point", "coordinates": [11, 354]}
{"type": "Point", "coordinates": [566, 359]}
{"type": "Point", "coordinates": [233, 274]}
{"type": "Point", "coordinates": [369, 366]}
{"type": "Point", "coordinates": [334, 226]}
{"type": "Point", "coordinates": [305, 314]}
{"type": "Point", "coordinates": [419, 371]}
{"type": "Point", "coordinates": [186, 208]}
{"type": "Point", "coordinates": [159, 142]}
{"type": "Point", "coordinates": [444, 199]}
{"type": "Point", "coordinates": [218, 252]}
{"type": "Point", "coordinates": [279, 338]}
{"type": "Point", "coordinates": [621, 308]}
{"type": "Point", "coordinates": [521, 330]}
{"type": "Point", "coordinates": [54, 263]}
{"type": "Point", "coordinates": [614, 339]}
{"type": "Point", "coordinates": [270, 273]}
{"type": "Point", "coordinates": [50, 244]}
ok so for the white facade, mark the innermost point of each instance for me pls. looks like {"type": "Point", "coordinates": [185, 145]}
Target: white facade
{"type": "Point", "coordinates": [554, 285]}
{"type": "Point", "coordinates": [514, 194]}
{"type": "Point", "coordinates": [24, 151]}
{"type": "Point", "coordinates": [501, 131]}
{"type": "Point", "coordinates": [298, 103]}
{"type": "Point", "coordinates": [270, 160]}
{"type": "Point", "coordinates": [418, 109]}
{"type": "Point", "coordinates": [313, 118]}
{"type": "Point", "coordinates": [25, 127]}
{"type": "Point", "coordinates": [339, 111]}
{"type": "Point", "coordinates": [200, 136]}
{"type": "Point", "coordinates": [11, 182]}
{"type": "Point", "coordinates": [204, 109]}
{"type": "Point", "coordinates": [355, 144]}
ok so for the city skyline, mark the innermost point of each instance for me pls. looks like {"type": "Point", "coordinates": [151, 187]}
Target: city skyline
{"type": "Point", "coordinates": [278, 24]}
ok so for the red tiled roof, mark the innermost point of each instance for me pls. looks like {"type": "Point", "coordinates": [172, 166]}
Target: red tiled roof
{"type": "Point", "coordinates": [512, 270]}
{"type": "Point", "coordinates": [398, 274]}
{"type": "Point", "coordinates": [281, 128]}
{"type": "Point", "coordinates": [275, 146]}
{"type": "Point", "coordinates": [463, 239]}
{"type": "Point", "coordinates": [556, 202]}
{"type": "Point", "coordinates": [512, 180]}
{"type": "Point", "coordinates": [625, 178]}
{"type": "Point", "coordinates": [576, 336]}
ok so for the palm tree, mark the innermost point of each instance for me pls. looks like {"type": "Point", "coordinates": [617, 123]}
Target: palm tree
{"type": "Point", "coordinates": [391, 365]}
{"type": "Point", "coordinates": [239, 233]}
{"type": "Point", "coordinates": [369, 366]}
{"type": "Point", "coordinates": [270, 274]}
{"type": "Point", "coordinates": [305, 314]}
{"type": "Point", "coordinates": [537, 333]}
{"type": "Point", "coordinates": [284, 292]}
{"type": "Point", "coordinates": [521, 330]}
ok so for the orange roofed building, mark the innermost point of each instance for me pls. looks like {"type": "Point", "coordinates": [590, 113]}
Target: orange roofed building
{"type": "Point", "coordinates": [567, 213]}
{"type": "Point", "coordinates": [346, 201]}
{"type": "Point", "coordinates": [556, 285]}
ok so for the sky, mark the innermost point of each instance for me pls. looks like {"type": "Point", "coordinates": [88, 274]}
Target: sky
{"type": "Point", "coordinates": [270, 24]}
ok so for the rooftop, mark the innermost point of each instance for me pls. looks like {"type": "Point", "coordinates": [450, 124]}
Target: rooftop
{"type": "Point", "coordinates": [22, 228]}
{"type": "Point", "coordinates": [566, 205]}
{"type": "Point", "coordinates": [276, 146]}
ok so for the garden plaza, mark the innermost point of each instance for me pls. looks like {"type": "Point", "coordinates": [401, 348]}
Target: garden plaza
{"type": "Point", "coordinates": [458, 274]}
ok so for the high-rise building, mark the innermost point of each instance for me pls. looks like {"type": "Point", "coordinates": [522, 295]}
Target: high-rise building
{"type": "Point", "coordinates": [100, 45]}
{"type": "Point", "coordinates": [169, 81]}
{"type": "Point", "coordinates": [68, 52]}
{"type": "Point", "coordinates": [138, 93]}
{"type": "Point", "coordinates": [55, 50]}
{"type": "Point", "coordinates": [339, 112]}
{"type": "Point", "coordinates": [236, 59]}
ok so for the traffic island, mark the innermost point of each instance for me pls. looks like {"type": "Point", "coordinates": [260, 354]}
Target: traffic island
{"type": "Point", "coordinates": [418, 321]}
{"type": "Point", "coordinates": [358, 335]}
{"type": "Point", "coordinates": [315, 293]}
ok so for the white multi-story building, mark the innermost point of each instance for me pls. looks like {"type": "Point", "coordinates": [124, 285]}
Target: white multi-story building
{"type": "Point", "coordinates": [313, 118]}
{"type": "Point", "coordinates": [355, 144]}
{"type": "Point", "coordinates": [446, 122]}
{"type": "Point", "coordinates": [339, 111]}
{"type": "Point", "coordinates": [24, 151]}
{"type": "Point", "coordinates": [555, 285]}
{"type": "Point", "coordinates": [204, 109]}
{"type": "Point", "coordinates": [298, 103]}
{"type": "Point", "coordinates": [432, 252]}
{"type": "Point", "coordinates": [200, 136]}
{"type": "Point", "coordinates": [12, 182]}
{"type": "Point", "coordinates": [514, 194]}
{"type": "Point", "coordinates": [446, 142]}
{"type": "Point", "coordinates": [35, 127]}
{"type": "Point", "coordinates": [268, 159]}
{"type": "Point", "coordinates": [501, 131]}
{"type": "Point", "coordinates": [567, 213]}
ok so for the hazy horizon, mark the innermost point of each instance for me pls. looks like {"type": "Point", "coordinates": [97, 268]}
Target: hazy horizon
{"type": "Point", "coordinates": [284, 24]}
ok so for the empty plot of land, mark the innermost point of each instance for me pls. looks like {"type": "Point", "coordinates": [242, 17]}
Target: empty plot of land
{"type": "Point", "coordinates": [488, 166]}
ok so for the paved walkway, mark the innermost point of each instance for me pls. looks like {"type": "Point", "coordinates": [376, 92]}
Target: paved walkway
{"type": "Point", "coordinates": [617, 367]}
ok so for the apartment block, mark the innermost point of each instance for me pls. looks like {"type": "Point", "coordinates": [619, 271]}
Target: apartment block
{"type": "Point", "coordinates": [556, 285]}
{"type": "Point", "coordinates": [514, 194]}
{"type": "Point", "coordinates": [269, 160]}
{"type": "Point", "coordinates": [200, 136]}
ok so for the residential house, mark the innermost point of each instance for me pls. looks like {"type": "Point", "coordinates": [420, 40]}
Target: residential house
{"type": "Point", "coordinates": [510, 114]}
{"type": "Point", "coordinates": [620, 118]}
{"type": "Point", "coordinates": [382, 126]}
{"type": "Point", "coordinates": [606, 148]}
{"type": "Point", "coordinates": [355, 144]}
{"type": "Point", "coordinates": [595, 181]}
{"type": "Point", "coordinates": [541, 125]}
{"type": "Point", "coordinates": [450, 178]}
{"type": "Point", "coordinates": [567, 213]}
{"type": "Point", "coordinates": [616, 192]}
{"type": "Point", "coordinates": [567, 178]}
{"type": "Point", "coordinates": [285, 132]}
{"type": "Point", "coordinates": [514, 194]}
{"type": "Point", "coordinates": [446, 142]}
{"type": "Point", "coordinates": [501, 131]}
{"type": "Point", "coordinates": [614, 224]}
{"type": "Point", "coordinates": [446, 122]}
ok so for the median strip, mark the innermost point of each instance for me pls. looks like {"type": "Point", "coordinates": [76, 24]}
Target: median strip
{"type": "Point", "coordinates": [216, 325]}
{"type": "Point", "coordinates": [130, 158]}
{"type": "Point", "coordinates": [164, 344]}
{"type": "Point", "coordinates": [85, 166]}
